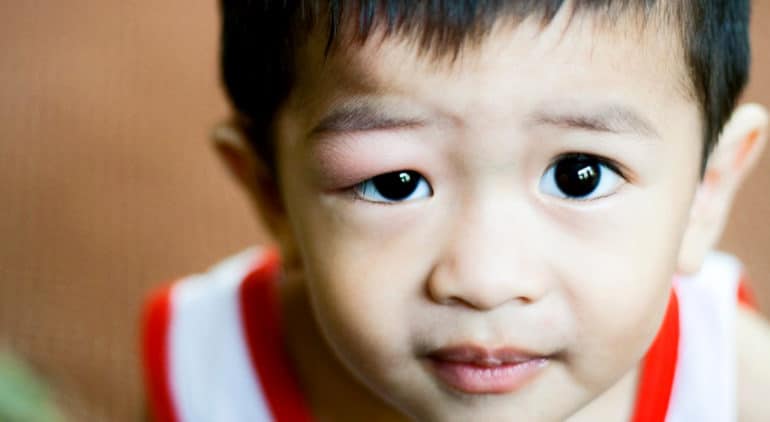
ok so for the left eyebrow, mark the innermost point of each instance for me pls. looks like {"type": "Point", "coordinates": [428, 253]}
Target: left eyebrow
{"type": "Point", "coordinates": [611, 118]}
{"type": "Point", "coordinates": [361, 116]}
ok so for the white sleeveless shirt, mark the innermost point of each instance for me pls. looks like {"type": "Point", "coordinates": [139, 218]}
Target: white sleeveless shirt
{"type": "Point", "coordinates": [213, 348]}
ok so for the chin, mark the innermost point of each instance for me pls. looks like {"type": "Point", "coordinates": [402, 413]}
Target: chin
{"type": "Point", "coordinates": [485, 408]}
{"type": "Point", "coordinates": [486, 415]}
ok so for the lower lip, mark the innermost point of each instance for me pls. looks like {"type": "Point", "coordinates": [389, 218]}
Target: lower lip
{"type": "Point", "coordinates": [476, 379]}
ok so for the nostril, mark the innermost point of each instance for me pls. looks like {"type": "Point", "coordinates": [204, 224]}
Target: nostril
{"type": "Point", "coordinates": [453, 301]}
{"type": "Point", "coordinates": [459, 301]}
{"type": "Point", "coordinates": [479, 303]}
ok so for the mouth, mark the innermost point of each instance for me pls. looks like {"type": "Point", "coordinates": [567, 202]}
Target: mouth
{"type": "Point", "coordinates": [472, 369]}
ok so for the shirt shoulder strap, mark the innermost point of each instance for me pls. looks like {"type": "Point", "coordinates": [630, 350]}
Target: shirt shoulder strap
{"type": "Point", "coordinates": [197, 360]}
{"type": "Point", "coordinates": [704, 386]}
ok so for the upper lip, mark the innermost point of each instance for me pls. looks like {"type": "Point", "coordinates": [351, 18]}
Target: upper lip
{"type": "Point", "coordinates": [482, 356]}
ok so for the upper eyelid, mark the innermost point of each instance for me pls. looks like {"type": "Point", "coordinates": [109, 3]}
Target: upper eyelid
{"type": "Point", "coordinates": [613, 165]}
{"type": "Point", "coordinates": [388, 172]}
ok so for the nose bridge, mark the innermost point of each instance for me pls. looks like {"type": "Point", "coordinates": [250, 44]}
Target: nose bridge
{"type": "Point", "coordinates": [489, 260]}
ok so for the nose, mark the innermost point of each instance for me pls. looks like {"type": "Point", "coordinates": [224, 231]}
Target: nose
{"type": "Point", "coordinates": [490, 258]}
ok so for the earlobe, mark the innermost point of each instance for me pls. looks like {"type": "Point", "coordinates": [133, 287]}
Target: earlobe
{"type": "Point", "coordinates": [739, 148]}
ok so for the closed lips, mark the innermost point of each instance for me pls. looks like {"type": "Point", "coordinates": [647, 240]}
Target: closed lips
{"type": "Point", "coordinates": [477, 370]}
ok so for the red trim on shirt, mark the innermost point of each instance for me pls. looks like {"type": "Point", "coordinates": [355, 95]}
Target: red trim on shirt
{"type": "Point", "coordinates": [745, 294]}
{"type": "Point", "coordinates": [260, 315]}
{"type": "Point", "coordinates": [657, 376]}
{"type": "Point", "coordinates": [155, 350]}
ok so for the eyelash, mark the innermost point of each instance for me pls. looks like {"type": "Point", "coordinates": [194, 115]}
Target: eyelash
{"type": "Point", "coordinates": [592, 163]}
{"type": "Point", "coordinates": [609, 162]}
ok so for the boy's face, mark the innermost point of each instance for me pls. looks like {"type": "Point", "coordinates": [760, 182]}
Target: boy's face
{"type": "Point", "coordinates": [542, 186]}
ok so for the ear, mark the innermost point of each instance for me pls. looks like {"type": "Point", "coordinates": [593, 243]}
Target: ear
{"type": "Point", "coordinates": [252, 172]}
{"type": "Point", "coordinates": [738, 150]}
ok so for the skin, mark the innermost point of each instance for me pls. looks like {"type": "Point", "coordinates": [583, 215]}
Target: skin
{"type": "Point", "coordinates": [490, 257]}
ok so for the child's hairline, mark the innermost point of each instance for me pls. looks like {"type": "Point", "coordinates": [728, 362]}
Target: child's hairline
{"type": "Point", "coordinates": [440, 51]}
{"type": "Point", "coordinates": [447, 57]}
{"type": "Point", "coordinates": [715, 80]}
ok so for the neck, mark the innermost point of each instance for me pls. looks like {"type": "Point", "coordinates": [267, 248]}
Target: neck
{"type": "Point", "coordinates": [330, 390]}
{"type": "Point", "coordinates": [615, 404]}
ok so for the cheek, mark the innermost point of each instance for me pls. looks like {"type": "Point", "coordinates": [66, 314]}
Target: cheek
{"type": "Point", "coordinates": [363, 303]}
{"type": "Point", "coordinates": [620, 297]}
{"type": "Point", "coordinates": [617, 325]}
{"type": "Point", "coordinates": [365, 264]}
{"type": "Point", "coordinates": [363, 285]}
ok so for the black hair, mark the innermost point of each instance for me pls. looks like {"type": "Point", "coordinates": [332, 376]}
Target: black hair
{"type": "Point", "coordinates": [260, 40]}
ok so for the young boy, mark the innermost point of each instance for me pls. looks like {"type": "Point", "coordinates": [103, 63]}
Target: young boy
{"type": "Point", "coordinates": [486, 211]}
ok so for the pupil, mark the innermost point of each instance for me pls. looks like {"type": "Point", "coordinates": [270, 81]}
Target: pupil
{"type": "Point", "coordinates": [577, 176]}
{"type": "Point", "coordinates": [396, 185]}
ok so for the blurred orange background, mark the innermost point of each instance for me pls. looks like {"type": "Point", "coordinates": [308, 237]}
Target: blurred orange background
{"type": "Point", "coordinates": [109, 184]}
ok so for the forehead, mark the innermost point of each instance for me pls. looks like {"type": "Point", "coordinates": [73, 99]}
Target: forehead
{"type": "Point", "coordinates": [632, 65]}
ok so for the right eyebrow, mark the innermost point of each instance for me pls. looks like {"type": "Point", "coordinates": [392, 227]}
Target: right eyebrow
{"type": "Point", "coordinates": [611, 118]}
{"type": "Point", "coordinates": [361, 116]}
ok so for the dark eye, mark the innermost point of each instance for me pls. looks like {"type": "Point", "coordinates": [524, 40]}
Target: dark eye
{"type": "Point", "coordinates": [580, 177]}
{"type": "Point", "coordinates": [397, 186]}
